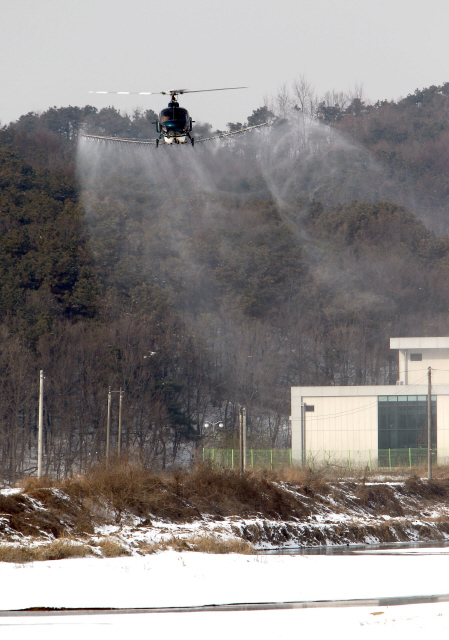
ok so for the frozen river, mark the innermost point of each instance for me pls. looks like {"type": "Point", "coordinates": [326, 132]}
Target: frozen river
{"type": "Point", "coordinates": [386, 593]}
{"type": "Point", "coordinates": [364, 549]}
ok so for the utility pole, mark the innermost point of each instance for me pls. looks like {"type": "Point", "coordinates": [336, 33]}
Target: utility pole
{"type": "Point", "coordinates": [429, 423]}
{"type": "Point", "coordinates": [242, 438]}
{"type": "Point", "coordinates": [108, 426]}
{"type": "Point", "coordinates": [303, 435]}
{"type": "Point", "coordinates": [119, 422]}
{"type": "Point", "coordinates": [41, 422]}
{"type": "Point", "coordinates": [108, 423]}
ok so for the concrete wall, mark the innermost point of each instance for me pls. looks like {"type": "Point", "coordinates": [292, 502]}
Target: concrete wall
{"type": "Point", "coordinates": [416, 372]}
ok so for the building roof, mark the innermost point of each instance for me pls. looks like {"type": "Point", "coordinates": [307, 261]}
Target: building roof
{"type": "Point", "coordinates": [374, 390]}
{"type": "Point", "coordinates": [419, 343]}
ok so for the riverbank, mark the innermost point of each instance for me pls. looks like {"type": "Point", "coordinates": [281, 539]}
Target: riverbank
{"type": "Point", "coordinates": [126, 510]}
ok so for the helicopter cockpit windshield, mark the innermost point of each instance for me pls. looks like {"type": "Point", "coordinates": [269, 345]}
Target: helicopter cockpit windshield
{"type": "Point", "coordinates": [174, 114]}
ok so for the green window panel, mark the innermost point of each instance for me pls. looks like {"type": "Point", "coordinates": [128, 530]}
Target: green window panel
{"type": "Point", "coordinates": [402, 422]}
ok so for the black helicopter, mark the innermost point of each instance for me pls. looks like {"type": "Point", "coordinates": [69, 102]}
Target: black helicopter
{"type": "Point", "coordinates": [174, 123]}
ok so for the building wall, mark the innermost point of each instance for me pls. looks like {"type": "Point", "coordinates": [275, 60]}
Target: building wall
{"type": "Point", "coordinates": [443, 429]}
{"type": "Point", "coordinates": [341, 424]}
{"type": "Point", "coordinates": [412, 372]}
{"type": "Point", "coordinates": [345, 420]}
{"type": "Point", "coordinates": [338, 425]}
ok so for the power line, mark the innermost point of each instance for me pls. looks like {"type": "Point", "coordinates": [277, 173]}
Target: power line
{"type": "Point", "coordinates": [366, 407]}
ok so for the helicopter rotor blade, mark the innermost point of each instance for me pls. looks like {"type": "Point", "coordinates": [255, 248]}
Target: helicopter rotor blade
{"type": "Point", "coordinates": [171, 92]}
{"type": "Point", "coordinates": [126, 93]}
{"type": "Point", "coordinates": [181, 91]}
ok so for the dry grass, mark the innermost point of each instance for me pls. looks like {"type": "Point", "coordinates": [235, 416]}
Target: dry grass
{"type": "Point", "coordinates": [227, 493]}
{"type": "Point", "coordinates": [129, 488]}
{"type": "Point", "coordinates": [379, 500]}
{"type": "Point", "coordinates": [202, 544]}
{"type": "Point", "coordinates": [59, 550]}
{"type": "Point", "coordinates": [30, 483]}
{"type": "Point", "coordinates": [106, 494]}
{"type": "Point", "coordinates": [179, 497]}
{"type": "Point", "coordinates": [147, 548]}
{"type": "Point", "coordinates": [440, 473]}
{"type": "Point", "coordinates": [211, 544]}
{"type": "Point", "coordinates": [17, 554]}
{"type": "Point", "coordinates": [112, 548]}
{"type": "Point", "coordinates": [340, 473]}
{"type": "Point", "coordinates": [56, 550]}
{"type": "Point", "coordinates": [427, 489]}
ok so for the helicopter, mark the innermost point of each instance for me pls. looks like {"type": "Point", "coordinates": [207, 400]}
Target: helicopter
{"type": "Point", "coordinates": [174, 123]}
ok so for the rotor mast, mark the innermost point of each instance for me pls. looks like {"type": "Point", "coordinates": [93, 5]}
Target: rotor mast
{"type": "Point", "coordinates": [174, 99]}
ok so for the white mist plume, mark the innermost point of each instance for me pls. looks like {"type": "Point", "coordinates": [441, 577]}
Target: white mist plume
{"type": "Point", "coordinates": [153, 202]}
{"type": "Point", "coordinates": [298, 158]}
{"type": "Point", "coordinates": [176, 191]}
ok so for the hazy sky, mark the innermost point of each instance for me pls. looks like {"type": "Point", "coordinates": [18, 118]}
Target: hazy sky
{"type": "Point", "coordinates": [53, 52]}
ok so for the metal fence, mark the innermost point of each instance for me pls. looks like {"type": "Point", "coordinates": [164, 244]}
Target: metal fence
{"type": "Point", "coordinates": [371, 459]}
{"type": "Point", "coordinates": [255, 458]}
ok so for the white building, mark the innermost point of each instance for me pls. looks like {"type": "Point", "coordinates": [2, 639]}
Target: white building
{"type": "Point", "coordinates": [383, 425]}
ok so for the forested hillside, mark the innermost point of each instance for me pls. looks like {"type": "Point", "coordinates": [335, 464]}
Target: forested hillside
{"type": "Point", "coordinates": [198, 279]}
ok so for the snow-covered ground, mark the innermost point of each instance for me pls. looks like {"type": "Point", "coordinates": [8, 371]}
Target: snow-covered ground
{"type": "Point", "coordinates": [171, 579]}
{"type": "Point", "coordinates": [360, 623]}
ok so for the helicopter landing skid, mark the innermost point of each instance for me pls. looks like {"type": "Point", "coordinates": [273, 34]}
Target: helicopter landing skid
{"type": "Point", "coordinates": [175, 140]}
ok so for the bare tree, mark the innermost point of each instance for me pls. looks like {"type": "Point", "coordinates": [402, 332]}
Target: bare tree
{"type": "Point", "coordinates": [304, 93]}
{"type": "Point", "coordinates": [283, 102]}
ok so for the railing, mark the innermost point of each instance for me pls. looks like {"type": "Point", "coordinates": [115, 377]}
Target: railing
{"type": "Point", "coordinates": [350, 459]}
